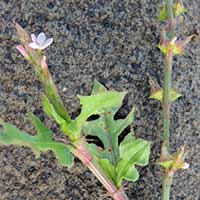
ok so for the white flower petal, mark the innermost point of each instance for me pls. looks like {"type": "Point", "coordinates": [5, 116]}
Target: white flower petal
{"type": "Point", "coordinates": [34, 45]}
{"type": "Point", "coordinates": [33, 37]}
{"type": "Point", "coordinates": [47, 43]}
{"type": "Point", "coordinates": [41, 39]}
{"type": "Point", "coordinates": [186, 166]}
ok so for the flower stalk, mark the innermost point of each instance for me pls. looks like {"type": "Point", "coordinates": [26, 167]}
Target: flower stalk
{"type": "Point", "coordinates": [167, 180]}
{"type": "Point", "coordinates": [170, 18]}
{"type": "Point", "coordinates": [166, 96]}
{"type": "Point", "coordinates": [166, 186]}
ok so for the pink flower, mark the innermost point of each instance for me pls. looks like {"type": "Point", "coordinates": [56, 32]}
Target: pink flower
{"type": "Point", "coordinates": [40, 42]}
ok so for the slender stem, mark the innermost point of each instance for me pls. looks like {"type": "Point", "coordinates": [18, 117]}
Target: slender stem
{"type": "Point", "coordinates": [170, 19]}
{"type": "Point", "coordinates": [167, 181]}
{"type": "Point", "coordinates": [166, 117]}
{"type": "Point", "coordinates": [166, 96]}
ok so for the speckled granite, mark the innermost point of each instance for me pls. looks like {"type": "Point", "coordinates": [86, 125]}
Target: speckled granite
{"type": "Point", "coordinates": [114, 42]}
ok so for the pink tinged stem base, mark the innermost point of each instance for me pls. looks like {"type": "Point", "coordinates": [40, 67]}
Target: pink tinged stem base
{"type": "Point", "coordinates": [120, 195]}
{"type": "Point", "coordinates": [84, 155]}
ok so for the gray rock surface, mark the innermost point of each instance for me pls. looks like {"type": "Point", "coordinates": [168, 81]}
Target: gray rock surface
{"type": "Point", "coordinates": [115, 43]}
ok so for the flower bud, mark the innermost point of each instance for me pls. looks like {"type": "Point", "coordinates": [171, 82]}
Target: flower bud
{"type": "Point", "coordinates": [21, 49]}
{"type": "Point", "coordinates": [45, 68]}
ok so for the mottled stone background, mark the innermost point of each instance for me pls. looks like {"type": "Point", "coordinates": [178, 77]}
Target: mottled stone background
{"type": "Point", "coordinates": [115, 43]}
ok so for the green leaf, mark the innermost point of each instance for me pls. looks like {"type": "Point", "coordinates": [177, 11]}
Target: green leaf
{"type": "Point", "coordinates": [177, 49]}
{"type": "Point", "coordinates": [51, 112]}
{"type": "Point", "coordinates": [95, 104]}
{"type": "Point", "coordinates": [41, 142]}
{"type": "Point", "coordinates": [108, 168]}
{"type": "Point", "coordinates": [91, 105]}
{"type": "Point", "coordinates": [163, 13]}
{"type": "Point", "coordinates": [131, 175]}
{"type": "Point", "coordinates": [98, 88]}
{"type": "Point", "coordinates": [178, 9]}
{"type": "Point", "coordinates": [108, 130]}
{"type": "Point", "coordinates": [159, 95]}
{"type": "Point", "coordinates": [167, 164]}
{"type": "Point", "coordinates": [132, 152]}
{"type": "Point", "coordinates": [116, 161]}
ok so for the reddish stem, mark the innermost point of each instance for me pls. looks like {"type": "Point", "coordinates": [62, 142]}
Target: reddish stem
{"type": "Point", "coordinates": [84, 155]}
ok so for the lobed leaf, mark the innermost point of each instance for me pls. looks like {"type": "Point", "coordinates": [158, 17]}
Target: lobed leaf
{"type": "Point", "coordinates": [132, 152]}
{"type": "Point", "coordinates": [114, 158]}
{"type": "Point", "coordinates": [95, 104]}
{"type": "Point", "coordinates": [41, 142]}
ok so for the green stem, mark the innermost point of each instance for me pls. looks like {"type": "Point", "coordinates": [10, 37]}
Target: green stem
{"type": "Point", "coordinates": [170, 19]}
{"type": "Point", "coordinates": [44, 75]}
{"type": "Point", "coordinates": [166, 116]}
{"type": "Point", "coordinates": [166, 182]}
{"type": "Point", "coordinates": [166, 96]}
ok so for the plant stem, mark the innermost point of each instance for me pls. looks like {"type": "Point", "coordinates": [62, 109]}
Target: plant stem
{"type": "Point", "coordinates": [84, 155]}
{"type": "Point", "coordinates": [170, 19]}
{"type": "Point", "coordinates": [166, 97]}
{"type": "Point", "coordinates": [167, 181]}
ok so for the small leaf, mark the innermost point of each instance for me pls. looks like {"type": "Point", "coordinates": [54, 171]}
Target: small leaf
{"type": "Point", "coordinates": [41, 142]}
{"type": "Point", "coordinates": [163, 48]}
{"type": "Point", "coordinates": [51, 112]}
{"type": "Point", "coordinates": [174, 95]}
{"type": "Point", "coordinates": [167, 164]}
{"type": "Point", "coordinates": [159, 95]}
{"type": "Point", "coordinates": [177, 50]}
{"type": "Point", "coordinates": [178, 9]}
{"type": "Point", "coordinates": [163, 13]}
